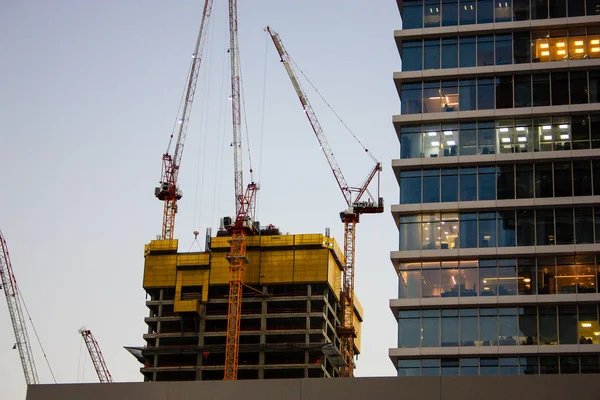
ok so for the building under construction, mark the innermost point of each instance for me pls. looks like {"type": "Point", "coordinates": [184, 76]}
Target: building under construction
{"type": "Point", "coordinates": [290, 310]}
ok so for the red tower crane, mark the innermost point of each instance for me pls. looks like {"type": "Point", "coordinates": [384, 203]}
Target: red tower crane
{"type": "Point", "coordinates": [168, 189]}
{"type": "Point", "coordinates": [350, 217]}
{"type": "Point", "coordinates": [13, 299]}
{"type": "Point", "coordinates": [244, 206]}
{"type": "Point", "coordinates": [96, 356]}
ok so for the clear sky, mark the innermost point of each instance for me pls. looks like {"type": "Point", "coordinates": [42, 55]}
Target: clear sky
{"type": "Point", "coordinates": [89, 92]}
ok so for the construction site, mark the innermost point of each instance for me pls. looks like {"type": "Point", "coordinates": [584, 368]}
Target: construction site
{"type": "Point", "coordinates": [255, 303]}
{"type": "Point", "coordinates": [290, 310]}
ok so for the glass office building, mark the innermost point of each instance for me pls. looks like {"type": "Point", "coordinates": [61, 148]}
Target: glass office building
{"type": "Point", "coordinates": [499, 172]}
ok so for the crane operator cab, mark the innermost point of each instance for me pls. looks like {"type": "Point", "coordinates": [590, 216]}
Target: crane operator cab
{"type": "Point", "coordinates": [165, 190]}
{"type": "Point", "coordinates": [361, 207]}
{"type": "Point", "coordinates": [368, 207]}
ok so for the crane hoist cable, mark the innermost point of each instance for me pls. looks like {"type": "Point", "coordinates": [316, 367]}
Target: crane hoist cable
{"type": "Point", "coordinates": [350, 217]}
{"type": "Point", "coordinates": [168, 190]}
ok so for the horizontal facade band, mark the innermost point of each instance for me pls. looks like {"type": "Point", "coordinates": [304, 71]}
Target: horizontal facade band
{"type": "Point", "coordinates": [509, 26]}
{"type": "Point", "coordinates": [475, 115]}
{"type": "Point", "coordinates": [424, 352]}
{"type": "Point", "coordinates": [520, 300]}
{"type": "Point", "coordinates": [470, 253]}
{"type": "Point", "coordinates": [491, 70]}
{"type": "Point", "coordinates": [491, 205]}
{"type": "Point", "coordinates": [406, 164]}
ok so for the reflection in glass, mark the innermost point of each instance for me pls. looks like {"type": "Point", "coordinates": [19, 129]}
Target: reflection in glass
{"type": "Point", "coordinates": [469, 327]}
{"type": "Point", "coordinates": [548, 329]}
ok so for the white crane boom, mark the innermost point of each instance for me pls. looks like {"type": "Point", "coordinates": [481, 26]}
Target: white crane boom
{"type": "Point", "coordinates": [13, 299]}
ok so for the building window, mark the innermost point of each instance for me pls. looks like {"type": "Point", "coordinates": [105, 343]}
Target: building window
{"type": "Point", "coordinates": [412, 55]}
{"type": "Point", "coordinates": [449, 53]}
{"type": "Point", "coordinates": [432, 54]}
{"type": "Point", "coordinates": [449, 12]}
{"type": "Point", "coordinates": [412, 14]}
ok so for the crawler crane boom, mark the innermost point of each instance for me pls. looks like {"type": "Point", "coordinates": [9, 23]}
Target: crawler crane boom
{"type": "Point", "coordinates": [350, 217]}
{"type": "Point", "coordinates": [168, 189]}
{"type": "Point", "coordinates": [96, 356]}
{"type": "Point", "coordinates": [13, 299]}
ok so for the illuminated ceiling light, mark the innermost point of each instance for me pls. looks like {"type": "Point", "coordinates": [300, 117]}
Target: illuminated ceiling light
{"type": "Point", "coordinates": [503, 129]}
{"type": "Point", "coordinates": [448, 133]}
{"type": "Point", "coordinates": [439, 238]}
{"type": "Point", "coordinates": [546, 127]}
{"type": "Point", "coordinates": [445, 233]}
{"type": "Point", "coordinates": [565, 136]}
{"type": "Point", "coordinates": [522, 139]}
{"type": "Point", "coordinates": [595, 41]}
{"type": "Point", "coordinates": [545, 53]}
{"type": "Point", "coordinates": [561, 52]}
{"type": "Point", "coordinates": [597, 333]}
{"type": "Point", "coordinates": [560, 44]}
{"type": "Point", "coordinates": [439, 228]}
{"type": "Point", "coordinates": [586, 325]}
{"type": "Point", "coordinates": [454, 227]}
{"type": "Point", "coordinates": [451, 143]}
{"type": "Point", "coordinates": [578, 50]}
{"type": "Point", "coordinates": [431, 134]}
{"type": "Point", "coordinates": [505, 140]}
{"type": "Point", "coordinates": [579, 43]}
{"type": "Point", "coordinates": [595, 49]}
{"type": "Point", "coordinates": [544, 46]}
{"type": "Point", "coordinates": [547, 137]}
{"type": "Point", "coordinates": [527, 280]}
{"type": "Point", "coordinates": [435, 143]}
{"type": "Point", "coordinates": [471, 6]}
{"type": "Point", "coordinates": [520, 128]}
{"type": "Point", "coordinates": [564, 126]}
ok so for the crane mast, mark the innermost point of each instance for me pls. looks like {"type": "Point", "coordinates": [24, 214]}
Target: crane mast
{"type": "Point", "coordinates": [96, 356]}
{"type": "Point", "coordinates": [13, 299]}
{"type": "Point", "coordinates": [244, 206]}
{"type": "Point", "coordinates": [350, 217]}
{"type": "Point", "coordinates": [168, 189]}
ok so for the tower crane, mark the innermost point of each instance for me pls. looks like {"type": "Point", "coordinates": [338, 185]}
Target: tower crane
{"type": "Point", "coordinates": [13, 299]}
{"type": "Point", "coordinates": [96, 356]}
{"type": "Point", "coordinates": [350, 217]}
{"type": "Point", "coordinates": [168, 188]}
{"type": "Point", "coordinates": [244, 206]}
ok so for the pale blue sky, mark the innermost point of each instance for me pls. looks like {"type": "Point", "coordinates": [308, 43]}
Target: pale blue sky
{"type": "Point", "coordinates": [89, 92]}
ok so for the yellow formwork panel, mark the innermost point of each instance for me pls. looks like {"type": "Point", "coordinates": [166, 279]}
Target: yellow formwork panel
{"type": "Point", "coordinates": [198, 277]}
{"type": "Point", "coordinates": [334, 276]}
{"type": "Point", "coordinates": [220, 242]}
{"type": "Point", "coordinates": [252, 241]}
{"type": "Point", "coordinates": [181, 306]}
{"type": "Point", "coordinates": [277, 240]}
{"type": "Point", "coordinates": [162, 245]}
{"type": "Point", "coordinates": [309, 239]}
{"type": "Point", "coordinates": [277, 266]}
{"type": "Point", "coordinates": [193, 259]}
{"type": "Point", "coordinates": [252, 270]}
{"type": "Point", "coordinates": [219, 269]}
{"type": "Point", "coordinates": [358, 308]}
{"type": "Point", "coordinates": [311, 265]}
{"type": "Point", "coordinates": [160, 270]}
{"type": "Point", "coordinates": [357, 330]}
